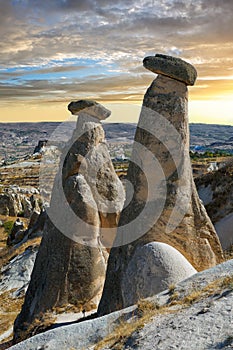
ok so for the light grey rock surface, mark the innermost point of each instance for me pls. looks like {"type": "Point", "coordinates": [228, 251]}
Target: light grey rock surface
{"type": "Point", "coordinates": [15, 276]}
{"type": "Point", "coordinates": [204, 325]}
{"type": "Point", "coordinates": [206, 194]}
{"type": "Point", "coordinates": [79, 336]}
{"type": "Point", "coordinates": [216, 191]}
{"type": "Point", "coordinates": [153, 268]}
{"type": "Point", "coordinates": [224, 229]}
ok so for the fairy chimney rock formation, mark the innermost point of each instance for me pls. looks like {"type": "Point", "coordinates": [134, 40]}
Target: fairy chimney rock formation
{"type": "Point", "coordinates": [161, 175]}
{"type": "Point", "coordinates": [95, 164]}
{"type": "Point", "coordinates": [86, 200]}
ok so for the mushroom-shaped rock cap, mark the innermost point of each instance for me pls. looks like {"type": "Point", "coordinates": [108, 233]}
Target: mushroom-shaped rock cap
{"type": "Point", "coordinates": [91, 108]}
{"type": "Point", "coordinates": [172, 67]}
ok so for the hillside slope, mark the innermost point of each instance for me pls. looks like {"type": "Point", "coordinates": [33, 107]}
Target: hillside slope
{"type": "Point", "coordinates": [216, 191]}
{"type": "Point", "coordinates": [195, 314]}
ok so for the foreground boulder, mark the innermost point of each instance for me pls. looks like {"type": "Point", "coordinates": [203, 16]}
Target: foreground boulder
{"type": "Point", "coordinates": [71, 262]}
{"type": "Point", "coordinates": [165, 204]}
{"type": "Point", "coordinates": [153, 268]}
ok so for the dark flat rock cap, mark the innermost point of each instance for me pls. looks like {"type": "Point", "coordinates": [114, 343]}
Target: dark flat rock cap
{"type": "Point", "coordinates": [171, 67]}
{"type": "Point", "coordinates": [89, 107]}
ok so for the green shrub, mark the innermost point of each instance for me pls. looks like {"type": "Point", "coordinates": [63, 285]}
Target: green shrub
{"type": "Point", "coordinates": [8, 225]}
{"type": "Point", "coordinates": [21, 214]}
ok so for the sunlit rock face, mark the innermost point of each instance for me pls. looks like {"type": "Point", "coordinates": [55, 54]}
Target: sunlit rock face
{"type": "Point", "coordinates": [163, 134]}
{"type": "Point", "coordinates": [70, 267]}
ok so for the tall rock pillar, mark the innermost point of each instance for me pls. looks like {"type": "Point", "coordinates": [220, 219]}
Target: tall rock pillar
{"type": "Point", "coordinates": [161, 175]}
{"type": "Point", "coordinates": [71, 263]}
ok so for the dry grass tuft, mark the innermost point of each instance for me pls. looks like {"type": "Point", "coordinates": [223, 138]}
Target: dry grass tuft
{"type": "Point", "coordinates": [41, 324]}
{"type": "Point", "coordinates": [147, 310]}
{"type": "Point", "coordinates": [227, 282]}
{"type": "Point", "coordinates": [74, 307]}
{"type": "Point", "coordinates": [171, 288]}
{"type": "Point", "coordinates": [228, 254]}
{"type": "Point", "coordinates": [8, 253]}
{"type": "Point", "coordinates": [9, 309]}
{"type": "Point", "coordinates": [173, 298]}
{"type": "Point", "coordinates": [212, 288]}
{"type": "Point", "coordinates": [115, 340]}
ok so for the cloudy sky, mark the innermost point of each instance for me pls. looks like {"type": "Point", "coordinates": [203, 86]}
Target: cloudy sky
{"type": "Point", "coordinates": [56, 51]}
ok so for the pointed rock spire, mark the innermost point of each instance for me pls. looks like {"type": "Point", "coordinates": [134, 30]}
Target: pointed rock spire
{"type": "Point", "coordinates": [161, 175]}
{"type": "Point", "coordinates": [71, 262]}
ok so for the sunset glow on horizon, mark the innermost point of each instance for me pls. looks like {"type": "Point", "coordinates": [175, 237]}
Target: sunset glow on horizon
{"type": "Point", "coordinates": [62, 50]}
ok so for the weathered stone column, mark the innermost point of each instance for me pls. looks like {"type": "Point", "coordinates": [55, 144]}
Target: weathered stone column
{"type": "Point", "coordinates": [71, 263]}
{"type": "Point", "coordinates": [163, 133]}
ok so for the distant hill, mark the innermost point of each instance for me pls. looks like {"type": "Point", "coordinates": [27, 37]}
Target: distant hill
{"type": "Point", "coordinates": [211, 137]}
{"type": "Point", "coordinates": [20, 139]}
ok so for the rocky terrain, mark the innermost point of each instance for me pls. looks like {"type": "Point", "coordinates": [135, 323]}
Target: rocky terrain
{"type": "Point", "coordinates": [52, 295]}
{"type": "Point", "coordinates": [193, 314]}
{"type": "Point", "coordinates": [216, 191]}
{"type": "Point", "coordinates": [18, 263]}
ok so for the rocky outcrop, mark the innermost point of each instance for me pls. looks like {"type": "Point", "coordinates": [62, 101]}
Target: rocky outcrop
{"type": "Point", "coordinates": [27, 207]}
{"type": "Point", "coordinates": [17, 227]}
{"type": "Point", "coordinates": [165, 206]}
{"type": "Point", "coordinates": [14, 203]}
{"type": "Point", "coordinates": [201, 319]}
{"type": "Point", "coordinates": [71, 262]}
{"type": "Point", "coordinates": [224, 228]}
{"type": "Point", "coordinates": [216, 191]}
{"type": "Point", "coordinates": [22, 205]}
{"type": "Point", "coordinates": [40, 147]}
{"type": "Point", "coordinates": [35, 228]}
{"type": "Point", "coordinates": [10, 204]}
{"type": "Point", "coordinates": [15, 275]}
